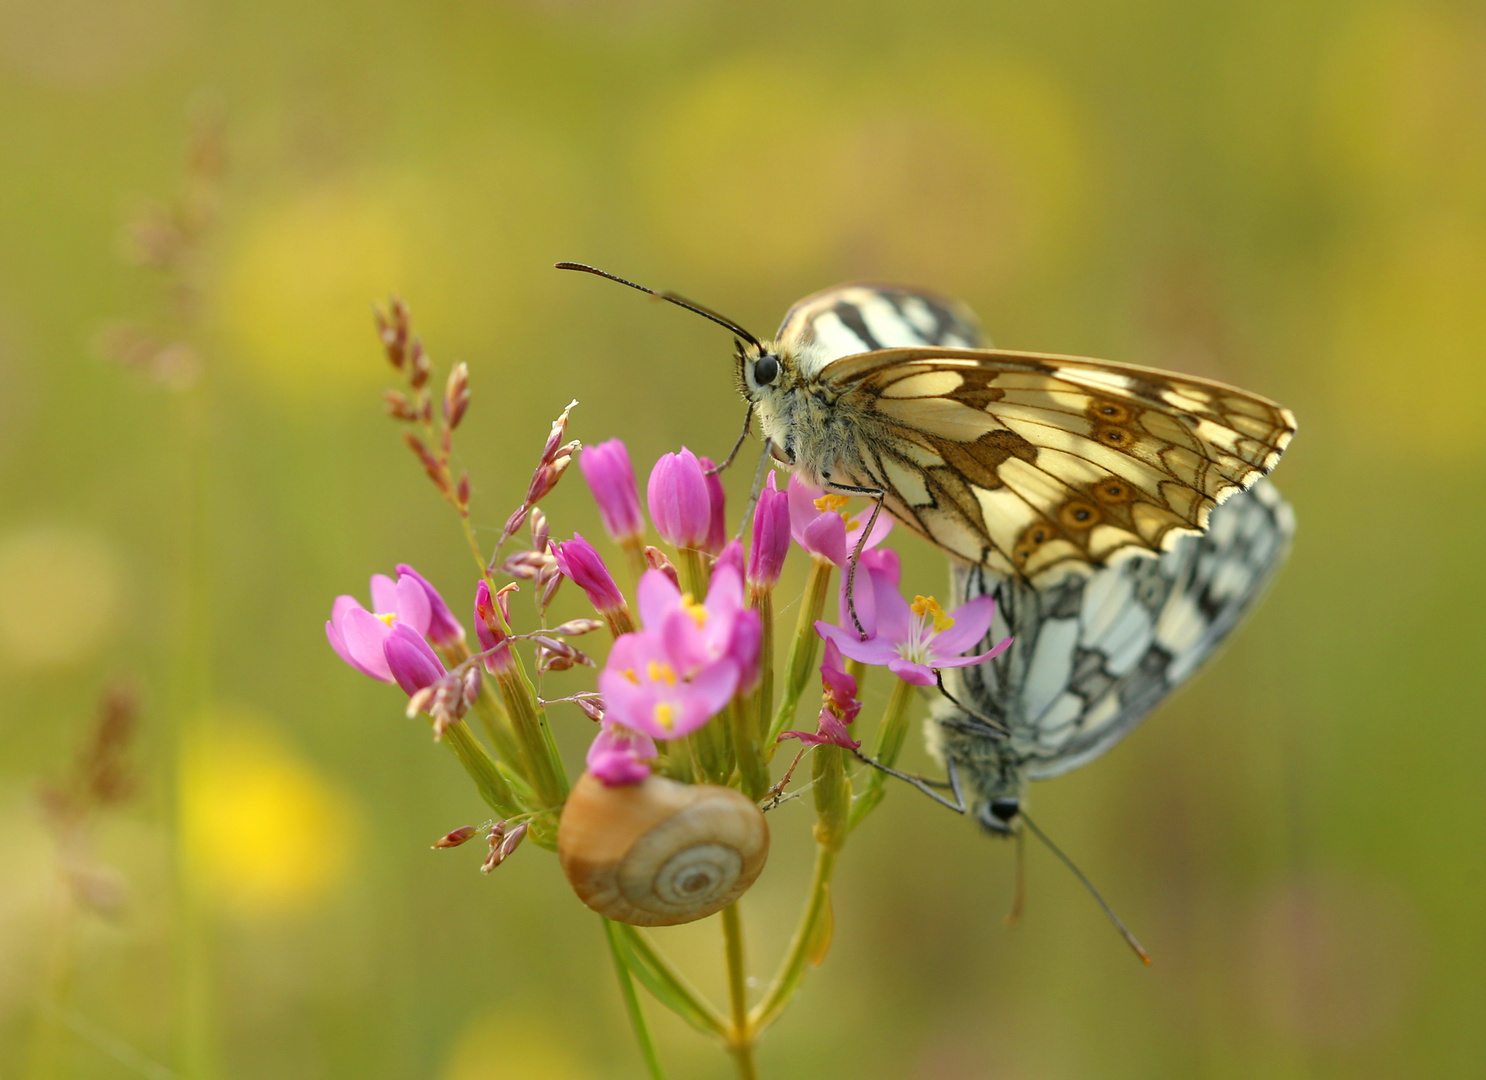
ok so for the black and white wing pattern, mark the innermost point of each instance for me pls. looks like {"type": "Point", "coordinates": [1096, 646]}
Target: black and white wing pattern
{"type": "Point", "coordinates": [1094, 655]}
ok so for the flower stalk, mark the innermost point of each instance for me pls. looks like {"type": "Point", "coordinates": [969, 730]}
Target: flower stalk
{"type": "Point", "coordinates": [804, 649]}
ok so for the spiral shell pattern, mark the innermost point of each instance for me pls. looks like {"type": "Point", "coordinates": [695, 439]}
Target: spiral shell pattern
{"type": "Point", "coordinates": [659, 853]}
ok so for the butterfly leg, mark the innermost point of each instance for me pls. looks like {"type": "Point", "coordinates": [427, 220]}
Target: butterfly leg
{"type": "Point", "coordinates": [876, 495]}
{"type": "Point", "coordinates": [758, 486]}
{"type": "Point", "coordinates": [995, 725]}
{"type": "Point", "coordinates": [923, 783]}
{"type": "Point", "coordinates": [733, 453]}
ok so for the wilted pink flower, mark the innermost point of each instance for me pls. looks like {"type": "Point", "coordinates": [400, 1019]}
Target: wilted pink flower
{"type": "Point", "coordinates": [839, 707]}
{"type": "Point", "coordinates": [443, 628]}
{"type": "Point", "coordinates": [578, 560]}
{"type": "Point", "coordinates": [913, 640]}
{"type": "Point", "coordinates": [610, 477]}
{"type": "Point", "coordinates": [770, 536]}
{"type": "Point", "coordinates": [819, 524]}
{"type": "Point", "coordinates": [680, 504]}
{"type": "Point", "coordinates": [411, 660]}
{"type": "Point", "coordinates": [488, 627]}
{"type": "Point", "coordinates": [717, 522]}
{"type": "Point", "coordinates": [618, 755]}
{"type": "Point", "coordinates": [357, 635]}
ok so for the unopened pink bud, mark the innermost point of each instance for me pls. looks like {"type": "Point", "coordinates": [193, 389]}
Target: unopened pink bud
{"type": "Point", "coordinates": [580, 561]}
{"type": "Point", "coordinates": [680, 504]}
{"type": "Point", "coordinates": [717, 528]}
{"type": "Point", "coordinates": [771, 537]}
{"type": "Point", "coordinates": [611, 478]}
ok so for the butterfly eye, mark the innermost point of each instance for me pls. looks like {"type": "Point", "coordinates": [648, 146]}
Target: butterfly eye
{"type": "Point", "coordinates": [1005, 809]}
{"type": "Point", "coordinates": [765, 370]}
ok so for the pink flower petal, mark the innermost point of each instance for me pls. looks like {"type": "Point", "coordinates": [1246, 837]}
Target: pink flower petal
{"type": "Point", "coordinates": [658, 595]}
{"type": "Point", "coordinates": [877, 650]}
{"type": "Point", "coordinates": [413, 608]}
{"type": "Point", "coordinates": [364, 634]}
{"type": "Point", "coordinates": [383, 594]}
{"type": "Point", "coordinates": [909, 672]}
{"type": "Point", "coordinates": [826, 537]}
{"type": "Point", "coordinates": [972, 620]}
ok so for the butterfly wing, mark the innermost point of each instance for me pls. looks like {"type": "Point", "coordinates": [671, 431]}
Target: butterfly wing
{"type": "Point", "coordinates": [1042, 465]}
{"type": "Point", "coordinates": [1093, 655]}
{"type": "Point", "coordinates": [861, 317]}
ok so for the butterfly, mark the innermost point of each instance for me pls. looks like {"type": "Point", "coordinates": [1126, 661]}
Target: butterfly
{"type": "Point", "coordinates": [1032, 465]}
{"type": "Point", "coordinates": [1094, 650]}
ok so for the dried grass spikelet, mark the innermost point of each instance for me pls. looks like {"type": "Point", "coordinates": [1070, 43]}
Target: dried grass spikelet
{"type": "Point", "coordinates": [659, 853]}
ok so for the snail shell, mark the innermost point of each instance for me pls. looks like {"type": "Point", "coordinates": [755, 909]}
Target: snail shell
{"type": "Point", "coordinates": [658, 853]}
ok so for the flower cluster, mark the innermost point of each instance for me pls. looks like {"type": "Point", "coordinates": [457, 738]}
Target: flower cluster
{"type": "Point", "coordinates": [687, 699]}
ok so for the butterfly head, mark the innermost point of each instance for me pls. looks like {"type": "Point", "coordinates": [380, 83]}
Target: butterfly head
{"type": "Point", "coordinates": [999, 815]}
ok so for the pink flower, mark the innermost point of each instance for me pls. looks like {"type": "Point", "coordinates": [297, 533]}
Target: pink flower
{"type": "Point", "coordinates": [617, 755]}
{"type": "Point", "coordinates": [578, 560]}
{"type": "Point", "coordinates": [443, 628]}
{"type": "Point", "coordinates": [697, 636]}
{"type": "Point", "coordinates": [647, 693]}
{"type": "Point", "coordinates": [680, 504]}
{"type": "Point", "coordinates": [770, 536]}
{"type": "Point", "coordinates": [913, 640]}
{"type": "Point", "coordinates": [610, 477]}
{"type": "Point", "coordinates": [732, 555]}
{"type": "Point", "coordinates": [357, 635]}
{"type": "Point", "coordinates": [717, 526]}
{"type": "Point", "coordinates": [839, 708]}
{"type": "Point", "coordinates": [881, 562]}
{"type": "Point", "coordinates": [677, 673]}
{"type": "Point", "coordinates": [411, 660]}
{"type": "Point", "coordinates": [820, 526]}
{"type": "Point", "coordinates": [488, 627]}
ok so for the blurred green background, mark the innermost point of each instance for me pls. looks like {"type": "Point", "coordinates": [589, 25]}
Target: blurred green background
{"type": "Point", "coordinates": [1291, 196]}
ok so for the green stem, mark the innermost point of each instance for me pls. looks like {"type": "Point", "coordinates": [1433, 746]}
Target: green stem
{"type": "Point", "coordinates": [497, 724]}
{"type": "Point", "coordinates": [740, 1038]}
{"type": "Point", "coordinates": [886, 745]}
{"type": "Point", "coordinates": [632, 1002]}
{"type": "Point", "coordinates": [762, 699]}
{"type": "Point", "coordinates": [477, 761]}
{"type": "Point", "coordinates": [752, 772]}
{"type": "Point", "coordinates": [808, 945]}
{"type": "Point", "coordinates": [804, 650]}
{"type": "Point", "coordinates": [539, 753]}
{"type": "Point", "coordinates": [693, 573]}
{"type": "Point", "coordinates": [668, 985]}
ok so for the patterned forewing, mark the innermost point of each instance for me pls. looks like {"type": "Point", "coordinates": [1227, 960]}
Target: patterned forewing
{"type": "Point", "coordinates": [1093, 655]}
{"type": "Point", "coordinates": [1039, 465]}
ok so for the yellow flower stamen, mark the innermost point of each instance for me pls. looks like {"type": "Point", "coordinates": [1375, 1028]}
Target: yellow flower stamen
{"type": "Point", "coordinates": [388, 618]}
{"type": "Point", "coordinates": [661, 672]}
{"type": "Point", "coordinates": [831, 502]}
{"type": "Point", "coordinates": [665, 714]}
{"type": "Point", "coordinates": [629, 673]}
{"type": "Point", "coordinates": [927, 605]}
{"type": "Point", "coordinates": [697, 612]}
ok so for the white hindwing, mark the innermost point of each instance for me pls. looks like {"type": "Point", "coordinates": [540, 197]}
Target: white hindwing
{"type": "Point", "coordinates": [1094, 655]}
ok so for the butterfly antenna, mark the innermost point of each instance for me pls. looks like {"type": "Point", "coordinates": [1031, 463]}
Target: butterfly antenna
{"type": "Point", "coordinates": [1125, 933]}
{"type": "Point", "coordinates": [679, 301]}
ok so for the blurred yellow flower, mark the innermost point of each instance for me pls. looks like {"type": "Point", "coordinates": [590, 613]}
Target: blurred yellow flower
{"type": "Point", "coordinates": [265, 832]}
{"type": "Point", "coordinates": [59, 595]}
{"type": "Point", "coordinates": [506, 1045]}
{"type": "Point", "coordinates": [297, 292]}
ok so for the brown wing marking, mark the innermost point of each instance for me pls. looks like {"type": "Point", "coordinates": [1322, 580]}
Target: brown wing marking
{"type": "Point", "coordinates": [1050, 463]}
